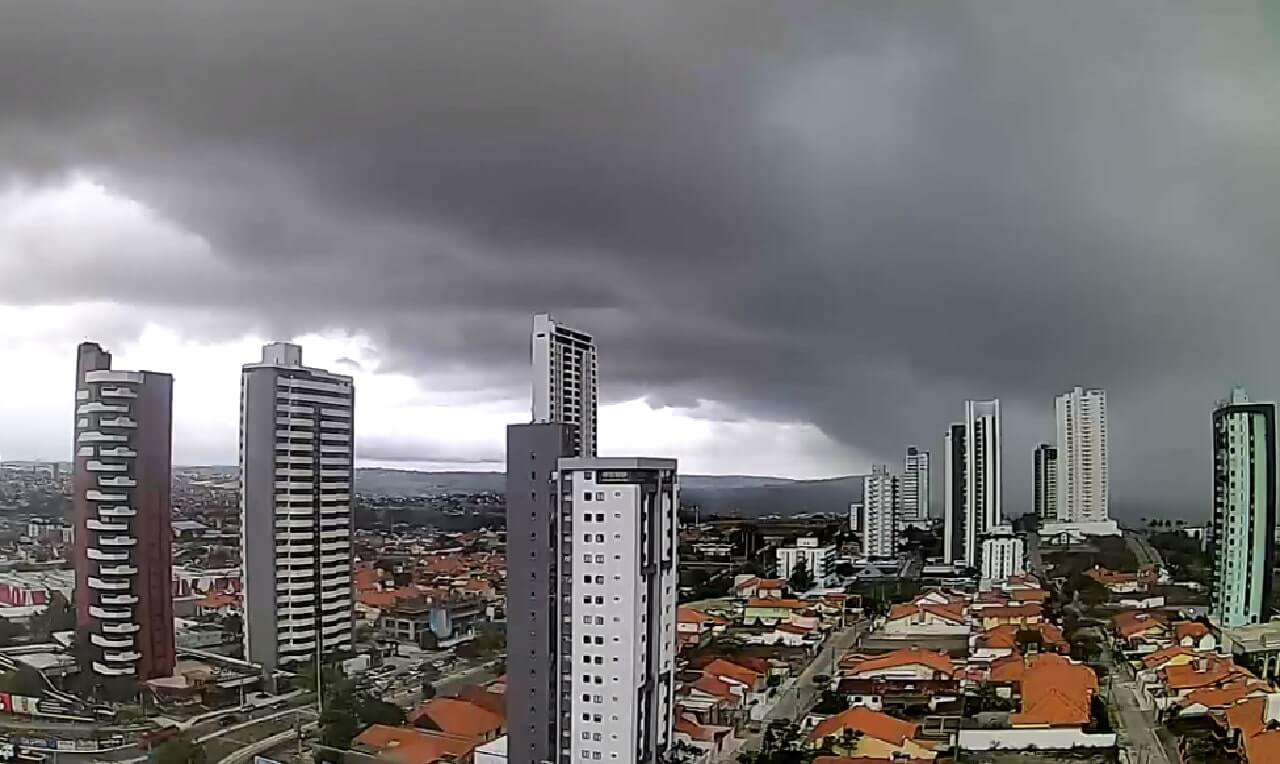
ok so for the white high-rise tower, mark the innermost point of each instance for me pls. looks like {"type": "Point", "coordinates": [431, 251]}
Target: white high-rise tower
{"type": "Point", "coordinates": [564, 380]}
{"type": "Point", "coordinates": [1083, 473]}
{"type": "Point", "coordinates": [881, 506]}
{"type": "Point", "coordinates": [296, 481]}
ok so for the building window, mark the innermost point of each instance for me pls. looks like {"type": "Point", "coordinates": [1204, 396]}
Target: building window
{"type": "Point", "coordinates": [586, 496]}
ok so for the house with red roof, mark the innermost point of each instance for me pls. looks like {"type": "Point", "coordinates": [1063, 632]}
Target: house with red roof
{"type": "Point", "coordinates": [1141, 630]}
{"type": "Point", "coordinates": [1194, 635]}
{"type": "Point", "coordinates": [710, 739]}
{"type": "Point", "coordinates": [861, 732]}
{"type": "Point", "coordinates": [924, 618]}
{"type": "Point", "coordinates": [1253, 730]}
{"type": "Point", "coordinates": [900, 664]}
{"type": "Point", "coordinates": [405, 745]}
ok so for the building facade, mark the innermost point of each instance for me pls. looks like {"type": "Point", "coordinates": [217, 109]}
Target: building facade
{"type": "Point", "coordinates": [616, 608]}
{"type": "Point", "coordinates": [954, 527]}
{"type": "Point", "coordinates": [881, 502]}
{"type": "Point", "coordinates": [1084, 487]}
{"type": "Point", "coordinates": [819, 560]}
{"type": "Point", "coordinates": [534, 573]}
{"type": "Point", "coordinates": [915, 486]}
{"type": "Point", "coordinates": [296, 484]}
{"type": "Point", "coordinates": [564, 380]}
{"type": "Point", "coordinates": [121, 504]}
{"type": "Point", "coordinates": [1045, 498]}
{"type": "Point", "coordinates": [1004, 554]}
{"type": "Point", "coordinates": [1244, 510]}
{"type": "Point", "coordinates": [983, 476]}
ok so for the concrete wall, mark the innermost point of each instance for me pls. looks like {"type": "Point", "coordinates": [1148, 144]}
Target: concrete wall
{"type": "Point", "coordinates": [1040, 739]}
{"type": "Point", "coordinates": [258, 529]}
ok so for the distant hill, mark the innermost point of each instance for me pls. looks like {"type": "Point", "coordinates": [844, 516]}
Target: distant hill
{"type": "Point", "coordinates": [741, 494]}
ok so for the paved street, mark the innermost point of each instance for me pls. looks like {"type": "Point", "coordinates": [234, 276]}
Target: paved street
{"type": "Point", "coordinates": [1137, 733]}
{"type": "Point", "coordinates": [796, 700]}
{"type": "Point", "coordinates": [1142, 549]}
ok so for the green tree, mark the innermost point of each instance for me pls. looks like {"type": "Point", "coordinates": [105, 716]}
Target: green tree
{"type": "Point", "coordinates": [24, 681]}
{"type": "Point", "coordinates": [58, 616]}
{"type": "Point", "coordinates": [233, 628]}
{"type": "Point", "coordinates": [180, 750]}
{"type": "Point", "coordinates": [10, 632]}
{"type": "Point", "coordinates": [428, 690]}
{"type": "Point", "coordinates": [338, 720]}
{"type": "Point", "coordinates": [831, 703]}
{"type": "Point", "coordinates": [801, 578]}
{"type": "Point", "coordinates": [780, 745]}
{"type": "Point", "coordinates": [371, 710]}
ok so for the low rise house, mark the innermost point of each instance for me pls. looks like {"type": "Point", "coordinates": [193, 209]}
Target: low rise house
{"type": "Point", "coordinates": [771, 612]}
{"type": "Point", "coordinates": [1125, 583]}
{"type": "Point", "coordinates": [900, 664]}
{"type": "Point", "coordinates": [861, 732]}
{"type": "Point", "coordinates": [404, 745]}
{"type": "Point", "coordinates": [926, 618]}
{"type": "Point", "coordinates": [1253, 728]}
{"type": "Point", "coordinates": [1024, 616]}
{"type": "Point", "coordinates": [458, 718]}
{"type": "Point", "coordinates": [709, 739]}
{"type": "Point", "coordinates": [1141, 630]}
{"type": "Point", "coordinates": [1195, 635]}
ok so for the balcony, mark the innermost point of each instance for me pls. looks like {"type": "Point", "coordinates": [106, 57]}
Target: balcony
{"type": "Point", "coordinates": [104, 670]}
{"type": "Point", "coordinates": [112, 376]}
{"type": "Point", "coordinates": [118, 451]}
{"type": "Point", "coordinates": [117, 511]}
{"type": "Point", "coordinates": [115, 644]}
{"type": "Point", "coordinates": [114, 586]}
{"type": "Point", "coordinates": [117, 570]}
{"type": "Point", "coordinates": [122, 481]}
{"type": "Point", "coordinates": [97, 407]}
{"type": "Point", "coordinates": [122, 657]}
{"type": "Point", "coordinates": [93, 436]}
{"type": "Point", "coordinates": [118, 599]}
{"type": "Point", "coordinates": [298, 647]}
{"type": "Point", "coordinates": [118, 541]}
{"type": "Point", "coordinates": [96, 495]}
{"type": "Point", "coordinates": [117, 392]}
{"type": "Point", "coordinates": [120, 628]}
{"type": "Point", "coordinates": [97, 466]}
{"type": "Point", "coordinates": [98, 554]}
{"type": "Point", "coordinates": [110, 615]}
{"type": "Point", "coordinates": [98, 525]}
{"type": "Point", "coordinates": [120, 421]}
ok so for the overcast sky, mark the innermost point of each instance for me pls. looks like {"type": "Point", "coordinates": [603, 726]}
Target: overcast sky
{"type": "Point", "coordinates": [802, 232]}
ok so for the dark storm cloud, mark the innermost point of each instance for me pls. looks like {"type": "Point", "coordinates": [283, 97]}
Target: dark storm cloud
{"type": "Point", "coordinates": [850, 213]}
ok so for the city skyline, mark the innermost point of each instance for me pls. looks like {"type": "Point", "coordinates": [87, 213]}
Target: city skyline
{"type": "Point", "coordinates": [736, 238]}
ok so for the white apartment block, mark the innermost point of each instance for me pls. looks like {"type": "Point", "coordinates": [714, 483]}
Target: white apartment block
{"type": "Point", "coordinates": [880, 509]}
{"type": "Point", "coordinates": [1004, 554]}
{"type": "Point", "coordinates": [915, 486]}
{"type": "Point", "coordinates": [820, 560]}
{"type": "Point", "coordinates": [1083, 472]}
{"type": "Point", "coordinates": [296, 479]}
{"type": "Point", "coordinates": [618, 618]}
{"type": "Point", "coordinates": [564, 379]}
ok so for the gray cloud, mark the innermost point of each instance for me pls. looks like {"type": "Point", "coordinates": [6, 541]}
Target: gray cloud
{"type": "Point", "coordinates": [854, 214]}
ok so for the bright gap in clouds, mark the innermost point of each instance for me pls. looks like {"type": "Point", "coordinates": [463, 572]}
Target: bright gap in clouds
{"type": "Point", "coordinates": [399, 423]}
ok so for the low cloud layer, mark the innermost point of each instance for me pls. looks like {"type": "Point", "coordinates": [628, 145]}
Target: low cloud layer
{"type": "Point", "coordinates": [853, 215]}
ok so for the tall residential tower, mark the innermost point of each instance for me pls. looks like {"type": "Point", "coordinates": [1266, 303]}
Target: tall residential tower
{"type": "Point", "coordinates": [973, 481]}
{"type": "Point", "coordinates": [1045, 499]}
{"type": "Point", "coordinates": [1083, 472]}
{"type": "Point", "coordinates": [880, 511]}
{"type": "Point", "coordinates": [1244, 510]}
{"type": "Point", "coordinates": [915, 486]}
{"type": "Point", "coordinates": [296, 474]}
{"type": "Point", "coordinates": [123, 532]}
{"type": "Point", "coordinates": [564, 380]}
{"type": "Point", "coordinates": [592, 555]}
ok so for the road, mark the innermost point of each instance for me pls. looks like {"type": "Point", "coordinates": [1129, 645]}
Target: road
{"type": "Point", "coordinates": [1138, 734]}
{"type": "Point", "coordinates": [1142, 549]}
{"type": "Point", "coordinates": [796, 700]}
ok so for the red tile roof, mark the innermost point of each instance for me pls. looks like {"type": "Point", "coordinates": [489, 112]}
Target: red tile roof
{"type": "Point", "coordinates": [453, 716]}
{"type": "Point", "coordinates": [1261, 745]}
{"type": "Point", "coordinates": [727, 669]}
{"type": "Point", "coordinates": [493, 702]}
{"type": "Point", "coordinates": [778, 603]}
{"type": "Point", "coordinates": [939, 662]}
{"type": "Point", "coordinates": [1203, 672]}
{"type": "Point", "coordinates": [1192, 629]}
{"type": "Point", "coordinates": [910, 610]}
{"type": "Point", "coordinates": [410, 746]}
{"type": "Point", "coordinates": [1056, 692]}
{"type": "Point", "coordinates": [871, 723]}
{"type": "Point", "coordinates": [1161, 657]}
{"type": "Point", "coordinates": [713, 686]}
{"type": "Point", "coordinates": [1132, 623]}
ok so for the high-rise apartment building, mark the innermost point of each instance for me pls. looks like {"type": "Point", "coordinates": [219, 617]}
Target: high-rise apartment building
{"type": "Point", "coordinates": [973, 481]}
{"type": "Point", "coordinates": [123, 532]}
{"type": "Point", "coordinates": [1045, 499]}
{"type": "Point", "coordinates": [592, 547]}
{"type": "Point", "coordinates": [564, 380]}
{"type": "Point", "coordinates": [954, 514]}
{"type": "Point", "coordinates": [915, 486]}
{"type": "Point", "coordinates": [880, 510]}
{"type": "Point", "coordinates": [1244, 510]}
{"type": "Point", "coordinates": [1083, 473]}
{"type": "Point", "coordinates": [296, 484]}
{"type": "Point", "coordinates": [983, 476]}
